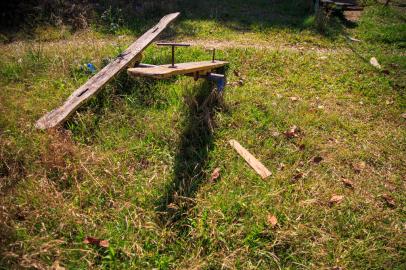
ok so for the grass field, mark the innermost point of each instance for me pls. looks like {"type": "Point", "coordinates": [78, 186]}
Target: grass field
{"type": "Point", "coordinates": [133, 166]}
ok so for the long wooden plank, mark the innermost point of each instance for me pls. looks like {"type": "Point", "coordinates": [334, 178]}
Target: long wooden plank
{"type": "Point", "coordinates": [95, 83]}
{"type": "Point", "coordinates": [250, 159]}
{"type": "Point", "coordinates": [165, 71]}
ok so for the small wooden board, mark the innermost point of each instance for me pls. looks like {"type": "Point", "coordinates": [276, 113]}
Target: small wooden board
{"type": "Point", "coordinates": [166, 71]}
{"type": "Point", "coordinates": [95, 83]}
{"type": "Point", "coordinates": [250, 159]}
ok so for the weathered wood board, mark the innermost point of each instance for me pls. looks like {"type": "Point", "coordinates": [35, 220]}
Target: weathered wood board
{"type": "Point", "coordinates": [94, 84]}
{"type": "Point", "coordinates": [250, 159]}
{"type": "Point", "coordinates": [166, 71]}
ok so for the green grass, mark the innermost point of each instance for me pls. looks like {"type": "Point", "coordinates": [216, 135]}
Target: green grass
{"type": "Point", "coordinates": [133, 165]}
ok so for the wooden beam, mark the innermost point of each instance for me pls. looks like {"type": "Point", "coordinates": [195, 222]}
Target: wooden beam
{"type": "Point", "coordinates": [251, 160]}
{"type": "Point", "coordinates": [166, 71]}
{"type": "Point", "coordinates": [94, 84]}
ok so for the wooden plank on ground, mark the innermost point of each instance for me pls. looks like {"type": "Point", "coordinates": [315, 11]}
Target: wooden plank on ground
{"type": "Point", "coordinates": [250, 159]}
{"type": "Point", "coordinates": [165, 71]}
{"type": "Point", "coordinates": [94, 84]}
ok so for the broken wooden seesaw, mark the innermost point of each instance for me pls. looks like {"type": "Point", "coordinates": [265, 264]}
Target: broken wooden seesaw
{"type": "Point", "coordinates": [132, 57]}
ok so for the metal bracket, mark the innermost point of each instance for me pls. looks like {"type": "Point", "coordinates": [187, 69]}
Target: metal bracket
{"type": "Point", "coordinates": [219, 79]}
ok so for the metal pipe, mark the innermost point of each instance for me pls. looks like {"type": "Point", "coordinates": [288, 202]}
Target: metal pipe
{"type": "Point", "coordinates": [173, 45]}
{"type": "Point", "coordinates": [173, 56]}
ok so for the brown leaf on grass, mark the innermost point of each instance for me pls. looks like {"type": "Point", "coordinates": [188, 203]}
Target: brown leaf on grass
{"type": "Point", "coordinates": [104, 243]}
{"type": "Point", "coordinates": [215, 174]}
{"type": "Point", "coordinates": [359, 166]}
{"type": "Point", "coordinates": [237, 73]}
{"type": "Point", "coordinates": [389, 200]}
{"type": "Point", "coordinates": [292, 132]}
{"type": "Point", "coordinates": [347, 183]}
{"type": "Point", "coordinates": [96, 242]}
{"type": "Point", "coordinates": [373, 61]}
{"type": "Point", "coordinates": [333, 140]}
{"type": "Point", "coordinates": [172, 206]}
{"type": "Point", "coordinates": [272, 220]}
{"type": "Point", "coordinates": [297, 176]}
{"type": "Point", "coordinates": [294, 98]}
{"type": "Point", "coordinates": [336, 199]}
{"type": "Point", "coordinates": [317, 159]}
{"type": "Point", "coordinates": [404, 115]}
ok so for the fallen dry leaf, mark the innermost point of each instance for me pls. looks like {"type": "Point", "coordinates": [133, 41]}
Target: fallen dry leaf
{"type": "Point", "coordinates": [333, 140]}
{"type": "Point", "coordinates": [404, 115]}
{"type": "Point", "coordinates": [172, 206]}
{"type": "Point", "coordinates": [317, 159]}
{"type": "Point", "coordinates": [389, 200]}
{"type": "Point", "coordinates": [359, 166]}
{"type": "Point", "coordinates": [348, 183]}
{"type": "Point", "coordinates": [272, 220]}
{"type": "Point", "coordinates": [373, 61]}
{"type": "Point", "coordinates": [297, 176]}
{"type": "Point", "coordinates": [96, 242]}
{"type": "Point", "coordinates": [292, 132]}
{"type": "Point", "coordinates": [237, 73]}
{"type": "Point", "coordinates": [215, 174]}
{"type": "Point", "coordinates": [294, 98]}
{"type": "Point", "coordinates": [336, 199]}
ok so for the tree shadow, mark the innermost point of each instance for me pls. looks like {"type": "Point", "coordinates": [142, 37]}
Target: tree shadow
{"type": "Point", "coordinates": [237, 15]}
{"type": "Point", "coordinates": [138, 16]}
{"type": "Point", "coordinates": [196, 142]}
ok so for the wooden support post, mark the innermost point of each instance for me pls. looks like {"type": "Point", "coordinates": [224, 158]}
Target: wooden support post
{"type": "Point", "coordinates": [94, 84]}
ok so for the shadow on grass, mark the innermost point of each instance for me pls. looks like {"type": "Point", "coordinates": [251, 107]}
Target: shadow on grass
{"type": "Point", "coordinates": [237, 15]}
{"type": "Point", "coordinates": [192, 156]}
{"type": "Point", "coordinates": [141, 92]}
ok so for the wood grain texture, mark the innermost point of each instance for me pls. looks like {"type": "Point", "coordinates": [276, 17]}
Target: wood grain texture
{"type": "Point", "coordinates": [250, 159]}
{"type": "Point", "coordinates": [94, 84]}
{"type": "Point", "coordinates": [166, 71]}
